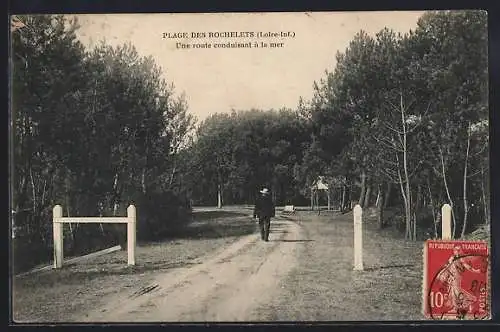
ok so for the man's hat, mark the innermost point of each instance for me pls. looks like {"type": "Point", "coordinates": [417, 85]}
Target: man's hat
{"type": "Point", "coordinates": [264, 191]}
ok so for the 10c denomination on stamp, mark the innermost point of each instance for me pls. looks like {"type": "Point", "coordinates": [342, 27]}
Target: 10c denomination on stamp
{"type": "Point", "coordinates": [456, 280]}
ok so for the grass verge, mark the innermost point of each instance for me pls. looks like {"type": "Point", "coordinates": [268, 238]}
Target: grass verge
{"type": "Point", "coordinates": [324, 286]}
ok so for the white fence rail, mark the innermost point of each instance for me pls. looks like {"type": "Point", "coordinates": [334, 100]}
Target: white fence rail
{"type": "Point", "coordinates": [58, 222]}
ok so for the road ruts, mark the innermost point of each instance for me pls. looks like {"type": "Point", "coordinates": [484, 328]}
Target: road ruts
{"type": "Point", "coordinates": [228, 286]}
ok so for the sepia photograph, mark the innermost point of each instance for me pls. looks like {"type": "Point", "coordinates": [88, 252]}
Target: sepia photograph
{"type": "Point", "coordinates": [249, 167]}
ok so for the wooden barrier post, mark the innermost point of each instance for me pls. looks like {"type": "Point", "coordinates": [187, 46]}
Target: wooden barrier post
{"type": "Point", "coordinates": [57, 229]}
{"type": "Point", "coordinates": [358, 238]}
{"type": "Point", "coordinates": [446, 222]}
{"type": "Point", "coordinates": [58, 221]}
{"type": "Point", "coordinates": [131, 236]}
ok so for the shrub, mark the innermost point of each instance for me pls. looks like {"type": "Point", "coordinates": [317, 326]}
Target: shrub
{"type": "Point", "coordinates": [161, 212]}
{"type": "Point", "coordinates": [482, 233]}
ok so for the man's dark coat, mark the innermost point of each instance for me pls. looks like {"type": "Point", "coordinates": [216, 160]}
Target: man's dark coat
{"type": "Point", "coordinates": [264, 207]}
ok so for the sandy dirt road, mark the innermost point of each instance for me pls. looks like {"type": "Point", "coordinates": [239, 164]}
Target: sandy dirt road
{"type": "Point", "coordinates": [230, 285]}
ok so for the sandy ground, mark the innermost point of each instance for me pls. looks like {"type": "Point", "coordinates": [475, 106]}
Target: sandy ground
{"type": "Point", "coordinates": [304, 273]}
{"type": "Point", "coordinates": [229, 286]}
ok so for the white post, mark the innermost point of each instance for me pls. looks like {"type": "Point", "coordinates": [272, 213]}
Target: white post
{"type": "Point", "coordinates": [328, 193]}
{"type": "Point", "coordinates": [446, 222]}
{"type": "Point", "coordinates": [358, 238]}
{"type": "Point", "coordinates": [57, 229]}
{"type": "Point", "coordinates": [131, 230]}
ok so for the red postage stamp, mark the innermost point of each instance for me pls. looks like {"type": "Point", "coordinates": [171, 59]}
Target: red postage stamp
{"type": "Point", "coordinates": [456, 280]}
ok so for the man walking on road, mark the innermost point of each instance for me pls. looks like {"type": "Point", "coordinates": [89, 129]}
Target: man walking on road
{"type": "Point", "coordinates": [264, 210]}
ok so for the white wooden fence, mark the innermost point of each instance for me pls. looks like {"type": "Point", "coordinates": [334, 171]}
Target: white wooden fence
{"type": "Point", "coordinates": [58, 222]}
{"type": "Point", "coordinates": [358, 231]}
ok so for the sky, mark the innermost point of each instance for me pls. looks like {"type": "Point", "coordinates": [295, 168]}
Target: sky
{"type": "Point", "coordinates": [221, 79]}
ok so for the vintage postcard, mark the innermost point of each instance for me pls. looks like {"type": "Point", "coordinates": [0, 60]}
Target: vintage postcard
{"type": "Point", "coordinates": [249, 167]}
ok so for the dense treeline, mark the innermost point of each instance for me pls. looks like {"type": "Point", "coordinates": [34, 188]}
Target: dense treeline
{"type": "Point", "coordinates": [401, 122]}
{"type": "Point", "coordinates": [414, 108]}
{"type": "Point", "coordinates": [94, 131]}
{"type": "Point", "coordinates": [236, 154]}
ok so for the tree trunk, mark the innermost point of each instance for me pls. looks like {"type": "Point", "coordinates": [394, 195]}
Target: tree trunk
{"type": "Point", "coordinates": [466, 204]}
{"type": "Point", "coordinates": [219, 197]}
{"type": "Point", "coordinates": [368, 194]}
{"type": "Point", "coordinates": [434, 217]}
{"type": "Point", "coordinates": [387, 195]}
{"type": "Point", "coordinates": [363, 189]}
{"type": "Point", "coordinates": [406, 200]}
{"type": "Point", "coordinates": [414, 224]}
{"type": "Point", "coordinates": [145, 167]}
{"type": "Point", "coordinates": [328, 198]}
{"type": "Point", "coordinates": [115, 193]}
{"type": "Point", "coordinates": [172, 174]}
{"type": "Point", "coordinates": [380, 207]}
{"type": "Point", "coordinates": [378, 195]}
{"type": "Point", "coordinates": [407, 182]}
{"type": "Point", "coordinates": [342, 203]}
{"type": "Point", "coordinates": [33, 192]}
{"type": "Point", "coordinates": [67, 203]}
{"type": "Point", "coordinates": [416, 209]}
{"type": "Point", "coordinates": [408, 222]}
{"type": "Point", "coordinates": [312, 200]}
{"type": "Point", "coordinates": [447, 193]}
{"type": "Point", "coordinates": [44, 193]}
{"type": "Point", "coordinates": [317, 202]}
{"type": "Point", "coordinates": [485, 202]}
{"type": "Point", "coordinates": [143, 180]}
